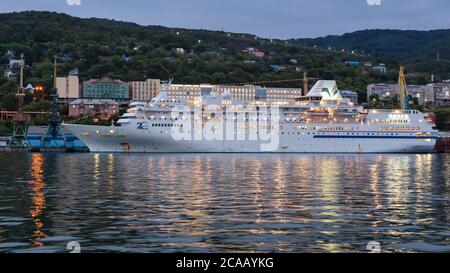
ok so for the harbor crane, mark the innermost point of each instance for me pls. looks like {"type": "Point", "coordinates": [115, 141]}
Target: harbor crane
{"type": "Point", "coordinates": [53, 132]}
{"type": "Point", "coordinates": [21, 120]}
{"type": "Point", "coordinates": [402, 90]}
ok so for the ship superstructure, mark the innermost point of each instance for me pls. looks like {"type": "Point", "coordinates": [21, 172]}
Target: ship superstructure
{"type": "Point", "coordinates": [320, 122]}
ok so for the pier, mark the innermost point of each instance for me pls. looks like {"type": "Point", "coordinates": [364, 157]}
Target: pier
{"type": "Point", "coordinates": [443, 143]}
{"type": "Point", "coordinates": [70, 144]}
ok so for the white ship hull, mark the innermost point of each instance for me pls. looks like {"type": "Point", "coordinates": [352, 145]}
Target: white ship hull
{"type": "Point", "coordinates": [124, 139]}
{"type": "Point", "coordinates": [217, 124]}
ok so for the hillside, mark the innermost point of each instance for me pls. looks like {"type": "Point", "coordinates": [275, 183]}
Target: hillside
{"type": "Point", "coordinates": [418, 50]}
{"type": "Point", "coordinates": [127, 51]}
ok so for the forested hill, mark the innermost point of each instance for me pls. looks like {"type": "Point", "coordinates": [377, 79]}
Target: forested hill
{"type": "Point", "coordinates": [127, 51]}
{"type": "Point", "coordinates": [421, 50]}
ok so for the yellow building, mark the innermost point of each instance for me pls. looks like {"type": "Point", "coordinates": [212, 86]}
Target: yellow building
{"type": "Point", "coordinates": [68, 88]}
{"type": "Point", "coordinates": [189, 91]}
{"type": "Point", "coordinates": [145, 90]}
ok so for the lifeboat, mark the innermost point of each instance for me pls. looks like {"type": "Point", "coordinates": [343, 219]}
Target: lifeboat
{"type": "Point", "coordinates": [347, 111]}
{"type": "Point", "coordinates": [318, 112]}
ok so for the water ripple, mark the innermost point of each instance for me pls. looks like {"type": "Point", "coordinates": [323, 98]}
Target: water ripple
{"type": "Point", "coordinates": [215, 202]}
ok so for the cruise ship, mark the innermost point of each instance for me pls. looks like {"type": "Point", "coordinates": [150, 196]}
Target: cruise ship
{"type": "Point", "coordinates": [320, 122]}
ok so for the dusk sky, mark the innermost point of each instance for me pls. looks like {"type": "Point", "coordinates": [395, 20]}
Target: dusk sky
{"type": "Point", "coordinates": [266, 18]}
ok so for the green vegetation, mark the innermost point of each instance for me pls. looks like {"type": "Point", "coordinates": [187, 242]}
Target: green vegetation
{"type": "Point", "coordinates": [99, 47]}
{"type": "Point", "coordinates": [127, 51]}
{"type": "Point", "coordinates": [442, 118]}
{"type": "Point", "coordinates": [420, 51]}
{"type": "Point", "coordinates": [5, 128]}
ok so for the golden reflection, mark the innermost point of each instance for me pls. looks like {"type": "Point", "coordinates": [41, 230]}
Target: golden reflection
{"type": "Point", "coordinates": [330, 172]}
{"type": "Point", "coordinates": [200, 198]}
{"type": "Point", "coordinates": [330, 247]}
{"type": "Point", "coordinates": [422, 182]}
{"type": "Point", "coordinates": [198, 175]}
{"type": "Point", "coordinates": [37, 197]}
{"type": "Point", "coordinates": [196, 196]}
{"type": "Point", "coordinates": [258, 190]}
{"type": "Point", "coordinates": [330, 176]}
{"type": "Point", "coordinates": [110, 163]}
{"type": "Point", "coordinates": [397, 179]}
{"type": "Point", "coordinates": [374, 174]}
{"type": "Point", "coordinates": [150, 167]}
{"type": "Point", "coordinates": [172, 168]}
{"type": "Point", "coordinates": [109, 187]}
{"type": "Point", "coordinates": [97, 170]}
{"type": "Point", "coordinates": [280, 186]}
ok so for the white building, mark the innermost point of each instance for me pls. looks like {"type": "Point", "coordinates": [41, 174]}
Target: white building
{"type": "Point", "coordinates": [180, 51]}
{"type": "Point", "coordinates": [420, 92]}
{"type": "Point", "coordinates": [189, 91]}
{"type": "Point", "coordinates": [351, 95]}
{"type": "Point", "coordinates": [242, 93]}
{"type": "Point", "coordinates": [381, 89]}
{"type": "Point", "coordinates": [68, 88]}
{"type": "Point", "coordinates": [145, 90]}
{"type": "Point", "coordinates": [12, 68]}
{"type": "Point", "coordinates": [440, 92]}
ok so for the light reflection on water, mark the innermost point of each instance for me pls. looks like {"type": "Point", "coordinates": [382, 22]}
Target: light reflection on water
{"type": "Point", "coordinates": [216, 202]}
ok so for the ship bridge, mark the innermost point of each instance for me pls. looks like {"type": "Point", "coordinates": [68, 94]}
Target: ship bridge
{"type": "Point", "coordinates": [326, 90]}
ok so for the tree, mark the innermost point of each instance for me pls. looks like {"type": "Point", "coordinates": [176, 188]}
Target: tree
{"type": "Point", "coordinates": [39, 106]}
{"type": "Point", "coordinates": [8, 87]}
{"type": "Point", "coordinates": [374, 100]}
{"type": "Point", "coordinates": [9, 102]}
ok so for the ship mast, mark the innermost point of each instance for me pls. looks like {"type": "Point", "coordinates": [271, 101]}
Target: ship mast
{"type": "Point", "coordinates": [305, 83]}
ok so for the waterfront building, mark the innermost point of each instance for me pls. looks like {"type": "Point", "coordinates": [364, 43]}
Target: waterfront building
{"type": "Point", "coordinates": [106, 88]}
{"type": "Point", "coordinates": [180, 51]}
{"type": "Point", "coordinates": [352, 63]}
{"type": "Point", "coordinates": [380, 68]}
{"type": "Point", "coordinates": [424, 94]}
{"type": "Point", "coordinates": [145, 90]}
{"type": "Point", "coordinates": [68, 88]}
{"type": "Point", "coordinates": [259, 54]}
{"type": "Point", "coordinates": [12, 69]}
{"type": "Point", "coordinates": [189, 91]}
{"type": "Point", "coordinates": [241, 93]}
{"type": "Point", "coordinates": [281, 94]}
{"type": "Point", "coordinates": [440, 93]}
{"type": "Point", "coordinates": [381, 90]}
{"type": "Point", "coordinates": [101, 109]}
{"type": "Point", "coordinates": [351, 95]}
{"type": "Point", "coordinates": [276, 67]}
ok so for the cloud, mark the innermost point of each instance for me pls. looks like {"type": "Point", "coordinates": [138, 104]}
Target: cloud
{"type": "Point", "coordinates": [268, 18]}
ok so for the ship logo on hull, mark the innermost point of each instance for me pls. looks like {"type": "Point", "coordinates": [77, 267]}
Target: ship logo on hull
{"type": "Point", "coordinates": [142, 125]}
